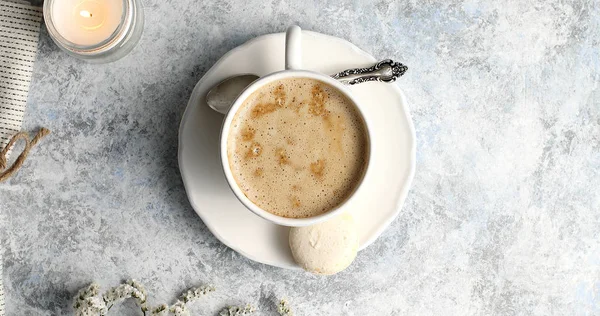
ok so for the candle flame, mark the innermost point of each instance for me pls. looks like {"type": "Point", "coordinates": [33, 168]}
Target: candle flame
{"type": "Point", "coordinates": [85, 14]}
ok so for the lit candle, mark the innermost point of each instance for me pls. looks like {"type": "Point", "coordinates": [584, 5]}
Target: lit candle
{"type": "Point", "coordinates": [87, 22]}
{"type": "Point", "coordinates": [96, 30]}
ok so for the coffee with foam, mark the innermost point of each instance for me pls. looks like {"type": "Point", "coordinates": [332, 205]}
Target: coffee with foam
{"type": "Point", "coordinates": [297, 147]}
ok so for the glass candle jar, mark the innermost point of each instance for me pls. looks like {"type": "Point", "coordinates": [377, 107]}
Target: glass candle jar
{"type": "Point", "coordinates": [95, 30]}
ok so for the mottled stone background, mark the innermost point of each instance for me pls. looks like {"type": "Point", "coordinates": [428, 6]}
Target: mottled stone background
{"type": "Point", "coordinates": [503, 217]}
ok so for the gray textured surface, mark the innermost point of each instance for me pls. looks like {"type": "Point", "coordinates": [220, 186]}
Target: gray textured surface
{"type": "Point", "coordinates": [503, 217]}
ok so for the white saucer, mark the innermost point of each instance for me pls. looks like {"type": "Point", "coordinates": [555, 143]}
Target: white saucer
{"type": "Point", "coordinates": [392, 168]}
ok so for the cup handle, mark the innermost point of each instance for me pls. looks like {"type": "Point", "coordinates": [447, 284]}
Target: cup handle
{"type": "Point", "coordinates": [293, 48]}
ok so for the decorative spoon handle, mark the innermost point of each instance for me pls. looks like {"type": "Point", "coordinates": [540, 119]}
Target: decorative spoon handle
{"type": "Point", "coordinates": [385, 71]}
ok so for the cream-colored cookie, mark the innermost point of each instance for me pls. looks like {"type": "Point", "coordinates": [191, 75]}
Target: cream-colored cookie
{"type": "Point", "coordinates": [325, 248]}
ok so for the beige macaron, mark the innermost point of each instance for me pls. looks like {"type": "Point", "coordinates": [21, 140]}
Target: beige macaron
{"type": "Point", "coordinates": [325, 248]}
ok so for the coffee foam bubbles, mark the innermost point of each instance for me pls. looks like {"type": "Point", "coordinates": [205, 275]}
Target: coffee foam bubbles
{"type": "Point", "coordinates": [297, 148]}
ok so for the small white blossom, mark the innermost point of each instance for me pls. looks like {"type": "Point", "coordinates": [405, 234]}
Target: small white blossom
{"type": "Point", "coordinates": [87, 302]}
{"type": "Point", "coordinates": [137, 285]}
{"type": "Point", "coordinates": [91, 290]}
{"type": "Point", "coordinates": [92, 306]}
{"type": "Point", "coordinates": [284, 309]}
{"type": "Point", "coordinates": [162, 310]}
{"type": "Point", "coordinates": [179, 309]}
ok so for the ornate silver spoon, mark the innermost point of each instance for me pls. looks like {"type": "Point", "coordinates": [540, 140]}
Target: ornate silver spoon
{"type": "Point", "coordinates": [221, 96]}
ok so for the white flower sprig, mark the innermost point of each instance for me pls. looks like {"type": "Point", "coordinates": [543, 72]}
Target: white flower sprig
{"type": "Point", "coordinates": [89, 302]}
{"type": "Point", "coordinates": [237, 311]}
{"type": "Point", "coordinates": [180, 307]}
{"type": "Point", "coordinates": [195, 294]}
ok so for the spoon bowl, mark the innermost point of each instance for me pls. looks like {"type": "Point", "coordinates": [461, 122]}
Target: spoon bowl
{"type": "Point", "coordinates": [223, 94]}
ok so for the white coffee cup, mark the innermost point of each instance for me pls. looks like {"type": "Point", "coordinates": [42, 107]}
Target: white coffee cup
{"type": "Point", "coordinates": [293, 66]}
